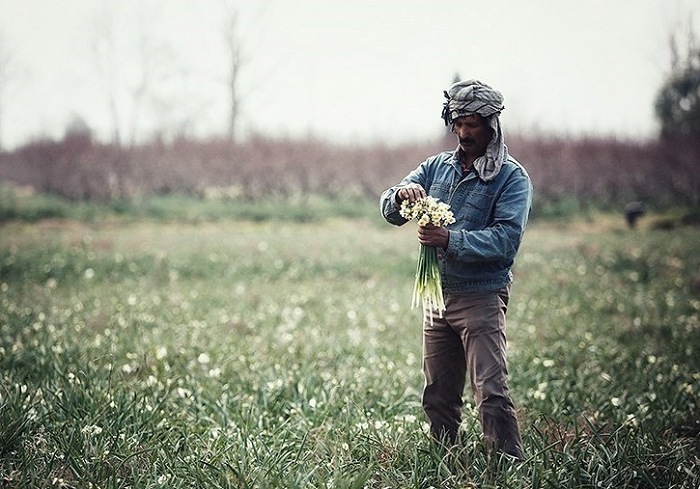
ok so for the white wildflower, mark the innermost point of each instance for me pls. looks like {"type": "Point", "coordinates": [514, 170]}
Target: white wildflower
{"type": "Point", "coordinates": [92, 430]}
{"type": "Point", "coordinates": [161, 352]}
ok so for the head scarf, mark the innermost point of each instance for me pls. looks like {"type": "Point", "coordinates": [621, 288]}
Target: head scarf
{"type": "Point", "coordinates": [474, 97]}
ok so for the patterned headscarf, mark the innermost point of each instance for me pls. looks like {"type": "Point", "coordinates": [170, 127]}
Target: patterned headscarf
{"type": "Point", "coordinates": [474, 97]}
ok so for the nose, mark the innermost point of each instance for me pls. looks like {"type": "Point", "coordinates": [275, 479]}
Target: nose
{"type": "Point", "coordinates": [461, 132]}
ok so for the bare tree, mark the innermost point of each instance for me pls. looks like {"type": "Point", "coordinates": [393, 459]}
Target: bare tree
{"type": "Point", "coordinates": [236, 60]}
{"type": "Point", "coordinates": [678, 100]}
{"type": "Point", "coordinates": [148, 62]}
{"type": "Point", "coordinates": [104, 52]}
{"type": "Point", "coordinates": [131, 87]}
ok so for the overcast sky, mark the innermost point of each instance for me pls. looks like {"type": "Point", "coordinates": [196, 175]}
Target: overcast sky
{"type": "Point", "coordinates": [359, 70]}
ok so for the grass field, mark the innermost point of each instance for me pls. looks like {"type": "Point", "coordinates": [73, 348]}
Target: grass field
{"type": "Point", "coordinates": [285, 354]}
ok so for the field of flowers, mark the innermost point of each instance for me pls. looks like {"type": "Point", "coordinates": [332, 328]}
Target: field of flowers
{"type": "Point", "coordinates": [286, 354]}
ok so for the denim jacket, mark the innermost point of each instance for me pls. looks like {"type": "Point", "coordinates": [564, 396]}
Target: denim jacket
{"type": "Point", "coordinates": [490, 219]}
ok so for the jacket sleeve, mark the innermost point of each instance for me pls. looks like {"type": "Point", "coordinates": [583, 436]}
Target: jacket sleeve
{"type": "Point", "coordinates": [501, 239]}
{"type": "Point", "coordinates": [387, 201]}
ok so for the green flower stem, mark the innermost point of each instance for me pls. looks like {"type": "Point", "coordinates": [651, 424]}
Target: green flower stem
{"type": "Point", "coordinates": [427, 289]}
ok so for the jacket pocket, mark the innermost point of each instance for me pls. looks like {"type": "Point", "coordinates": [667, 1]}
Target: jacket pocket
{"type": "Point", "coordinates": [475, 207]}
{"type": "Point", "coordinates": [440, 190]}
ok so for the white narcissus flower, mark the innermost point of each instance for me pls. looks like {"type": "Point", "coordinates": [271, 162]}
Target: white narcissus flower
{"type": "Point", "coordinates": [428, 210]}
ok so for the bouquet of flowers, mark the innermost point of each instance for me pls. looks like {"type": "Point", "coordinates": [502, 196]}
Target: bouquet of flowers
{"type": "Point", "coordinates": [428, 286]}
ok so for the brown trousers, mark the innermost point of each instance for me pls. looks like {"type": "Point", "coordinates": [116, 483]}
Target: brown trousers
{"type": "Point", "coordinates": [470, 337]}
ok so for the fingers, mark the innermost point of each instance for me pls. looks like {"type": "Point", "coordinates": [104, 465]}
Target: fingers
{"type": "Point", "coordinates": [411, 193]}
{"type": "Point", "coordinates": [433, 236]}
{"type": "Point", "coordinates": [427, 232]}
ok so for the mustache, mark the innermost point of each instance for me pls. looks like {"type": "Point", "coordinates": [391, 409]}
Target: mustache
{"type": "Point", "coordinates": [466, 140]}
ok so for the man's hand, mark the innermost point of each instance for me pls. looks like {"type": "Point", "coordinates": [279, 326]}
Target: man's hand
{"type": "Point", "coordinates": [411, 193]}
{"type": "Point", "coordinates": [433, 236]}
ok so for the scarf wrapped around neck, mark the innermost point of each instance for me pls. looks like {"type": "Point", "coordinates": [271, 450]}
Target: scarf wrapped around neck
{"type": "Point", "coordinates": [474, 97]}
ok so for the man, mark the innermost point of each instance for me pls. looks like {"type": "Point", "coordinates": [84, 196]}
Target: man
{"type": "Point", "coordinates": [490, 195]}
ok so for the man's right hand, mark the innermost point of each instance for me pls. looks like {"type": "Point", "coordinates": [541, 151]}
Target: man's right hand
{"type": "Point", "coordinates": [411, 193]}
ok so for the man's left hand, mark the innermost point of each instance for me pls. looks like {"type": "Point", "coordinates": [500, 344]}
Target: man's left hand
{"type": "Point", "coordinates": [433, 236]}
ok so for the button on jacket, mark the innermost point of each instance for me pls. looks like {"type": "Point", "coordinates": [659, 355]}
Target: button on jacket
{"type": "Point", "coordinates": [490, 219]}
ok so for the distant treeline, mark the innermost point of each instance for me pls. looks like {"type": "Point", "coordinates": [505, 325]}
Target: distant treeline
{"type": "Point", "coordinates": [601, 171]}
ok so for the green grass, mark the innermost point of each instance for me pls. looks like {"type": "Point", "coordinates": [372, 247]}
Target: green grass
{"type": "Point", "coordinates": [27, 206]}
{"type": "Point", "coordinates": [140, 353]}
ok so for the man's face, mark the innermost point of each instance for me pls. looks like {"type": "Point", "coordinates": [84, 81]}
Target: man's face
{"type": "Point", "coordinates": [473, 133]}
